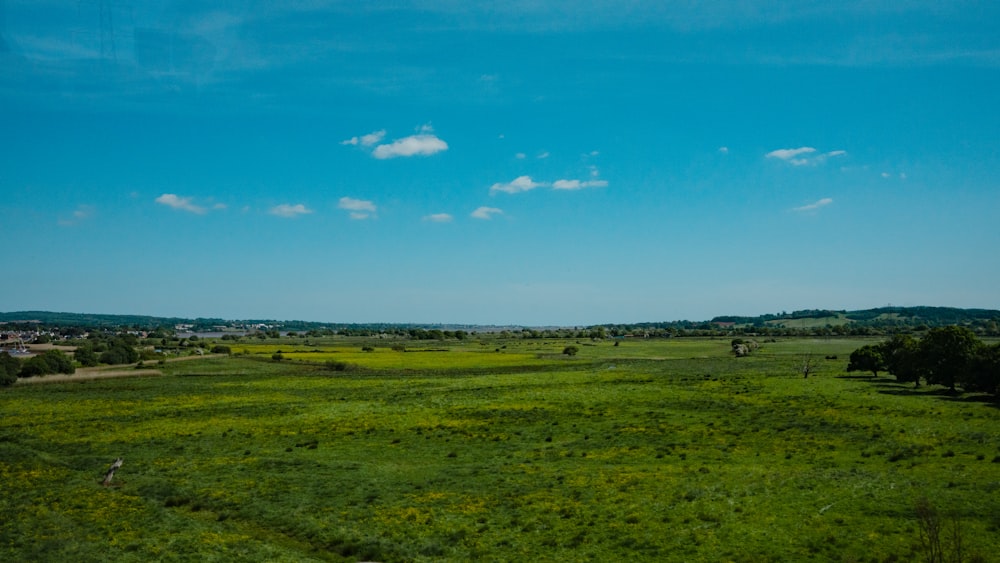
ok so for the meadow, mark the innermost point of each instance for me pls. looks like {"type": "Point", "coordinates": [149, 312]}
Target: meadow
{"type": "Point", "coordinates": [493, 450]}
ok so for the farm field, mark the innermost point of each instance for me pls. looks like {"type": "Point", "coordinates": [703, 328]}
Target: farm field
{"type": "Point", "coordinates": [666, 450]}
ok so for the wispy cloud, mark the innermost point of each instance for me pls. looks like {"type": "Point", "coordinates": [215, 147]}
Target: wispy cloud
{"type": "Point", "coordinates": [368, 140]}
{"type": "Point", "coordinates": [814, 206]}
{"type": "Point", "coordinates": [439, 218]}
{"type": "Point", "coordinates": [803, 156]}
{"type": "Point", "coordinates": [289, 211]}
{"type": "Point", "coordinates": [578, 185]}
{"type": "Point", "coordinates": [724, 150]}
{"type": "Point", "coordinates": [543, 155]}
{"type": "Point", "coordinates": [359, 208]}
{"type": "Point", "coordinates": [519, 184]}
{"type": "Point", "coordinates": [422, 144]}
{"type": "Point", "coordinates": [182, 203]}
{"type": "Point", "coordinates": [789, 154]}
{"type": "Point", "coordinates": [486, 213]}
{"type": "Point", "coordinates": [82, 213]}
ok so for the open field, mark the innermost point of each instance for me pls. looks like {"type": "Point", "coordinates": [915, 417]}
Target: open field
{"type": "Point", "coordinates": [649, 450]}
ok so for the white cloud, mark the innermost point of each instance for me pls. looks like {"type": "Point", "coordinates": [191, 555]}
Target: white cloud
{"type": "Point", "coordinates": [578, 185]}
{"type": "Point", "coordinates": [814, 206]}
{"type": "Point", "coordinates": [182, 203]}
{"type": "Point", "coordinates": [795, 156]}
{"type": "Point", "coordinates": [724, 150]}
{"type": "Point", "coordinates": [423, 144]}
{"type": "Point", "coordinates": [885, 174]}
{"type": "Point", "coordinates": [486, 212]}
{"type": "Point", "coordinates": [519, 184]}
{"type": "Point", "coordinates": [359, 208]}
{"type": "Point", "coordinates": [439, 218]}
{"type": "Point", "coordinates": [366, 140]}
{"type": "Point", "coordinates": [289, 211]}
{"type": "Point", "coordinates": [789, 154]}
{"type": "Point", "coordinates": [82, 213]}
{"type": "Point", "coordinates": [520, 156]}
{"type": "Point", "coordinates": [543, 155]}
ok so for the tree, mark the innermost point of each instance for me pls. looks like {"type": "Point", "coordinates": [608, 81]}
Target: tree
{"type": "Point", "coordinates": [570, 350]}
{"type": "Point", "coordinates": [119, 352]}
{"type": "Point", "coordinates": [52, 361]}
{"type": "Point", "coordinates": [9, 368]}
{"type": "Point", "coordinates": [900, 354]}
{"type": "Point", "coordinates": [86, 356]}
{"type": "Point", "coordinates": [984, 371]}
{"type": "Point", "coordinates": [867, 358]}
{"type": "Point", "coordinates": [946, 354]}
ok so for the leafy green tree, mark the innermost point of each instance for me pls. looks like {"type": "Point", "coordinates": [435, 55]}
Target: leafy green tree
{"type": "Point", "coordinates": [947, 353]}
{"type": "Point", "coordinates": [52, 361]}
{"type": "Point", "coordinates": [901, 356]}
{"type": "Point", "coordinates": [9, 368]}
{"type": "Point", "coordinates": [867, 358]}
{"type": "Point", "coordinates": [86, 356]}
{"type": "Point", "coordinates": [984, 371]}
{"type": "Point", "coordinates": [58, 361]}
{"type": "Point", "coordinates": [119, 352]}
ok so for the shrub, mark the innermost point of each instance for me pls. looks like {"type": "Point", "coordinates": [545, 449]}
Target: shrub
{"type": "Point", "coordinates": [220, 349]}
{"type": "Point", "coordinates": [570, 350]}
{"type": "Point", "coordinates": [277, 356]}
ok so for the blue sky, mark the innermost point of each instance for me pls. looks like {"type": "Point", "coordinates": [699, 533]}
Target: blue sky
{"type": "Point", "coordinates": [523, 162]}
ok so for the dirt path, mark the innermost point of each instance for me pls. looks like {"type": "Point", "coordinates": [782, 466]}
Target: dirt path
{"type": "Point", "coordinates": [84, 375]}
{"type": "Point", "coordinates": [107, 372]}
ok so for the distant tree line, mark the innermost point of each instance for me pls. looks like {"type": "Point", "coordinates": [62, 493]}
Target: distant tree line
{"type": "Point", "coordinates": [952, 356]}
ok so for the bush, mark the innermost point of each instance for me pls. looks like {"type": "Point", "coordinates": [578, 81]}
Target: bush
{"type": "Point", "coordinates": [9, 368]}
{"type": "Point", "coordinates": [277, 356]}
{"type": "Point", "coordinates": [570, 350]}
{"type": "Point", "coordinates": [220, 349]}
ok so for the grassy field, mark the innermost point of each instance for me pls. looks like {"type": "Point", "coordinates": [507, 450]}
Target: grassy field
{"type": "Point", "coordinates": [667, 450]}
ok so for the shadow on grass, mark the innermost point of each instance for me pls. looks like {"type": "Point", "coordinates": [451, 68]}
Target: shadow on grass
{"type": "Point", "coordinates": [903, 389]}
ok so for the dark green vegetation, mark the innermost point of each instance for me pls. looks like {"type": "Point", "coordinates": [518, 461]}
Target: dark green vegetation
{"type": "Point", "coordinates": [816, 322]}
{"type": "Point", "coordinates": [647, 450]}
{"type": "Point", "coordinates": [951, 356]}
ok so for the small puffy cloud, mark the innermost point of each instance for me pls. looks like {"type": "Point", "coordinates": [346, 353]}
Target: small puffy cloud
{"type": "Point", "coordinates": [359, 208]}
{"type": "Point", "coordinates": [423, 144]}
{"type": "Point", "coordinates": [789, 154]}
{"type": "Point", "coordinates": [543, 155]}
{"type": "Point", "coordinates": [182, 203]}
{"type": "Point", "coordinates": [902, 175]}
{"type": "Point", "coordinates": [814, 206]}
{"type": "Point", "coordinates": [519, 184]}
{"type": "Point", "coordinates": [486, 213]}
{"type": "Point", "coordinates": [366, 140]}
{"type": "Point", "coordinates": [803, 156]}
{"type": "Point", "coordinates": [886, 175]}
{"type": "Point", "coordinates": [520, 156]}
{"type": "Point", "coordinates": [578, 185]}
{"type": "Point", "coordinates": [724, 150]}
{"type": "Point", "coordinates": [82, 213]}
{"type": "Point", "coordinates": [289, 211]}
{"type": "Point", "coordinates": [439, 218]}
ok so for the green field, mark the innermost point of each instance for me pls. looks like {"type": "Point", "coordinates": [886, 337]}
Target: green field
{"type": "Point", "coordinates": [667, 450]}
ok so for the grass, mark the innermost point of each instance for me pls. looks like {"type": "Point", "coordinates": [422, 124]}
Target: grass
{"type": "Point", "coordinates": [649, 450]}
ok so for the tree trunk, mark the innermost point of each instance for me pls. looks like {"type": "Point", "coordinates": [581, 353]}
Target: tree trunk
{"type": "Point", "coordinates": [111, 471]}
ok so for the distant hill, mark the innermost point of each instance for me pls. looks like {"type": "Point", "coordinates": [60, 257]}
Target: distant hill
{"type": "Point", "coordinates": [879, 318]}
